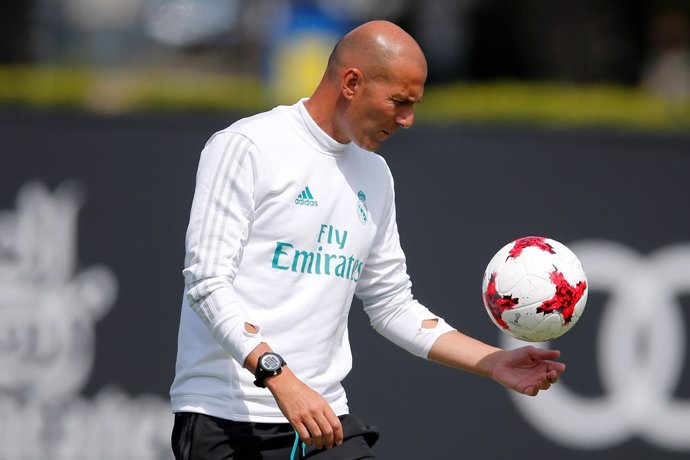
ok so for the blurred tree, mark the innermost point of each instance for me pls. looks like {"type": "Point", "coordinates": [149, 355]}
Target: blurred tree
{"type": "Point", "coordinates": [666, 72]}
{"type": "Point", "coordinates": [15, 31]}
{"type": "Point", "coordinates": [578, 41]}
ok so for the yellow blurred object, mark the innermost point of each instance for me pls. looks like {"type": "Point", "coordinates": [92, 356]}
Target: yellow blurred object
{"type": "Point", "coordinates": [298, 64]}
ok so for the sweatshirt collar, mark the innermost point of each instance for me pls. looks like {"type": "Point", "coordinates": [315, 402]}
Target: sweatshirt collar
{"type": "Point", "coordinates": [323, 140]}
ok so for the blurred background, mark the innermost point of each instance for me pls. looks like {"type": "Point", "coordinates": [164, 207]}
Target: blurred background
{"type": "Point", "coordinates": [616, 62]}
{"type": "Point", "coordinates": [566, 119]}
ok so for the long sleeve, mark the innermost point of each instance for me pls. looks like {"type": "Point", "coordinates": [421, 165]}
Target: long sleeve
{"type": "Point", "coordinates": [386, 292]}
{"type": "Point", "coordinates": [220, 222]}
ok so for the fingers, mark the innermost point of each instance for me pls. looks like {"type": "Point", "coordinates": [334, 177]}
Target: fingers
{"type": "Point", "coordinates": [544, 383]}
{"type": "Point", "coordinates": [548, 355]}
{"type": "Point", "coordinates": [315, 434]}
{"type": "Point", "coordinates": [306, 410]}
{"type": "Point", "coordinates": [556, 367]}
{"type": "Point", "coordinates": [324, 430]}
{"type": "Point", "coordinates": [552, 376]}
{"type": "Point", "coordinates": [533, 390]}
{"type": "Point", "coordinates": [303, 432]}
{"type": "Point", "coordinates": [338, 435]}
{"type": "Point", "coordinates": [544, 353]}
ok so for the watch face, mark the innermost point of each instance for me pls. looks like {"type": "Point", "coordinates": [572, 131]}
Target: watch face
{"type": "Point", "coordinates": [271, 362]}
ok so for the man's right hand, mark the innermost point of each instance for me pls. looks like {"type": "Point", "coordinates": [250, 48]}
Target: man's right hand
{"type": "Point", "coordinates": [306, 410]}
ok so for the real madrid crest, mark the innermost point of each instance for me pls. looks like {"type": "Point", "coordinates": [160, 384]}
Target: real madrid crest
{"type": "Point", "coordinates": [362, 210]}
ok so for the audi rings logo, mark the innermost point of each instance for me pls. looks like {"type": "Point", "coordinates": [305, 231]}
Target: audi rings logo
{"type": "Point", "coordinates": [638, 387]}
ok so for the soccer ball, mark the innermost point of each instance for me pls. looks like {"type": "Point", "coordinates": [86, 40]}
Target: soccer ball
{"type": "Point", "coordinates": [534, 289]}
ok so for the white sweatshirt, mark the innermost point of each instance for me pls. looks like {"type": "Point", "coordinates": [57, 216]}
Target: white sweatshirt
{"type": "Point", "coordinates": [286, 226]}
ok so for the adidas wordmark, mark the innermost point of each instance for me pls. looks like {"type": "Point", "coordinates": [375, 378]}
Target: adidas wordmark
{"type": "Point", "coordinates": [306, 198]}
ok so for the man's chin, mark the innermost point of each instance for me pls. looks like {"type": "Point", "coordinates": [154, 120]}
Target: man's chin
{"type": "Point", "coordinates": [369, 144]}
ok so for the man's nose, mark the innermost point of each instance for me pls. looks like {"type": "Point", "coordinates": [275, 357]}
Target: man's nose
{"type": "Point", "coordinates": [405, 119]}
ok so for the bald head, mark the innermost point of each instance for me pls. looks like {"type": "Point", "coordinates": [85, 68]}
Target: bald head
{"type": "Point", "coordinates": [374, 77]}
{"type": "Point", "coordinates": [375, 47]}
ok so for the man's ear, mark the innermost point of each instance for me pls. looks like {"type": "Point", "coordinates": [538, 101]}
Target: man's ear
{"type": "Point", "coordinates": [352, 80]}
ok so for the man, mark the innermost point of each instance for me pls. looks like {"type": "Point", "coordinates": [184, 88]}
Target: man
{"type": "Point", "coordinates": [293, 215]}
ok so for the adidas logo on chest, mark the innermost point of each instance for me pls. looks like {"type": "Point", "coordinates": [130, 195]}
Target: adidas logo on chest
{"type": "Point", "coordinates": [306, 198]}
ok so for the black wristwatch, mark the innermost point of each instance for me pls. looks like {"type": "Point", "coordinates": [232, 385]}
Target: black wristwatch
{"type": "Point", "coordinates": [269, 364]}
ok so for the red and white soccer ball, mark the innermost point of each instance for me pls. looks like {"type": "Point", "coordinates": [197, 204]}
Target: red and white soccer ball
{"type": "Point", "coordinates": [534, 289]}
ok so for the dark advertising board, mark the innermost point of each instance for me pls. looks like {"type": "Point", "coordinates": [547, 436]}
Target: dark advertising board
{"type": "Point", "coordinates": [93, 212]}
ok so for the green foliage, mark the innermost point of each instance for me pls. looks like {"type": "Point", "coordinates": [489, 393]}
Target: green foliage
{"type": "Point", "coordinates": [123, 90]}
{"type": "Point", "coordinates": [554, 104]}
{"type": "Point", "coordinates": [126, 90]}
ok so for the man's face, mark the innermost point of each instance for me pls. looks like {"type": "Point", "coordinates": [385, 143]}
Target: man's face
{"type": "Point", "coordinates": [381, 106]}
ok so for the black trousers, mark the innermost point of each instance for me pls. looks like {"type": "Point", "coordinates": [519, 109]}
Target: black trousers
{"type": "Point", "coordinates": [202, 437]}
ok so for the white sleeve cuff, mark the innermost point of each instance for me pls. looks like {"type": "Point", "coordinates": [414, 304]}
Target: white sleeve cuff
{"type": "Point", "coordinates": [225, 319]}
{"type": "Point", "coordinates": [235, 339]}
{"type": "Point", "coordinates": [404, 328]}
